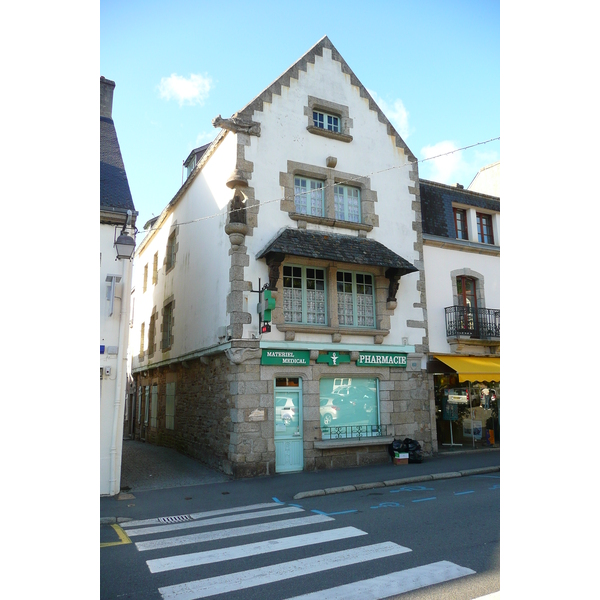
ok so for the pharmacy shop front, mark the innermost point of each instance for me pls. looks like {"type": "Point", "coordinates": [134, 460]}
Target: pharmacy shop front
{"type": "Point", "coordinates": [342, 408]}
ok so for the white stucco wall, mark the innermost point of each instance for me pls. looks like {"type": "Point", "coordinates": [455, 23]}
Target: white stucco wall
{"type": "Point", "coordinates": [439, 264]}
{"type": "Point", "coordinates": [199, 283]}
{"type": "Point", "coordinates": [371, 153]}
{"type": "Point", "coordinates": [111, 418]}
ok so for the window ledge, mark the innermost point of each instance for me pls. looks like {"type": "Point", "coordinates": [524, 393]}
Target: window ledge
{"type": "Point", "coordinates": [295, 216]}
{"type": "Point", "coordinates": [334, 135]}
{"type": "Point", "coordinates": [352, 442]}
{"type": "Point", "coordinates": [300, 327]}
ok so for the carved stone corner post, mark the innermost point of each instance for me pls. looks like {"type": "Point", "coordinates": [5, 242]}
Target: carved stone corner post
{"type": "Point", "coordinates": [237, 234]}
{"type": "Point", "coordinates": [394, 276]}
{"type": "Point", "coordinates": [274, 261]}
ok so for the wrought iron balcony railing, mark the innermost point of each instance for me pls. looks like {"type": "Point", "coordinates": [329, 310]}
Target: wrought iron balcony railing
{"type": "Point", "coordinates": [480, 323]}
{"type": "Point", "coordinates": [353, 431]}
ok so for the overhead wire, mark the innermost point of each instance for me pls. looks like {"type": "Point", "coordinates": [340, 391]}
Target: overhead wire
{"type": "Point", "coordinates": [349, 180]}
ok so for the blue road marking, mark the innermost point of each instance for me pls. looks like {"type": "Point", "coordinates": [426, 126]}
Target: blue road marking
{"type": "Point", "coordinates": [495, 487]}
{"type": "Point", "coordinates": [415, 488]}
{"type": "Point", "coordinates": [461, 493]}
{"type": "Point", "coordinates": [489, 476]}
{"type": "Point", "coordinates": [388, 504]}
{"type": "Point", "coordinates": [424, 499]}
{"type": "Point", "coordinates": [278, 501]}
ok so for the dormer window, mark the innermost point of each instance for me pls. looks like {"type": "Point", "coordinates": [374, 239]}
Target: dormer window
{"type": "Point", "coordinates": [326, 121]}
{"type": "Point", "coordinates": [460, 223]}
{"type": "Point", "coordinates": [485, 233]}
{"type": "Point", "coordinates": [190, 166]}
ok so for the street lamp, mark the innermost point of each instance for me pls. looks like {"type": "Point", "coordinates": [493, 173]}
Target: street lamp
{"type": "Point", "coordinates": [125, 244]}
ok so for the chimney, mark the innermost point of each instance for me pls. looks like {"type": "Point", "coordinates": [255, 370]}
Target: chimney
{"type": "Point", "coordinates": [459, 186]}
{"type": "Point", "coordinates": [107, 88]}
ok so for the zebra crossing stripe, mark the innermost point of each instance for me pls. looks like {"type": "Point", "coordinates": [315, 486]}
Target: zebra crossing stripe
{"type": "Point", "coordinates": [202, 515]}
{"type": "Point", "coordinates": [223, 584]}
{"type": "Point", "coordinates": [386, 586]}
{"type": "Point", "coordinates": [211, 556]}
{"type": "Point", "coordinates": [214, 521]}
{"type": "Point", "coordinates": [221, 534]}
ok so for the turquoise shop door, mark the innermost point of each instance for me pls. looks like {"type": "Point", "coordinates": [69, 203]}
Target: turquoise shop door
{"type": "Point", "coordinates": [289, 440]}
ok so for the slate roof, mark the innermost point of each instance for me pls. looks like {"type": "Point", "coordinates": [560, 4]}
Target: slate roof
{"type": "Point", "coordinates": [114, 187]}
{"type": "Point", "coordinates": [335, 246]}
{"type": "Point", "coordinates": [436, 206]}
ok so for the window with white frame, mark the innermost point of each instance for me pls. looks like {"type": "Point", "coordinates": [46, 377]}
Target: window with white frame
{"type": "Point", "coordinates": [326, 121]}
{"type": "Point", "coordinates": [304, 295]}
{"type": "Point", "coordinates": [308, 196]}
{"type": "Point", "coordinates": [347, 203]}
{"type": "Point", "coordinates": [356, 299]}
{"type": "Point", "coordinates": [170, 406]}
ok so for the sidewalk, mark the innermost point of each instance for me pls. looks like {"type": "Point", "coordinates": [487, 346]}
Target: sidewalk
{"type": "Point", "coordinates": [157, 481]}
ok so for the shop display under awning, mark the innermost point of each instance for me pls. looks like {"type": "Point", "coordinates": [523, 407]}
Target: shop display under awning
{"type": "Point", "coordinates": [473, 368]}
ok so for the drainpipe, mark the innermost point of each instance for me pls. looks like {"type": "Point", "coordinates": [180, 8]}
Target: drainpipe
{"type": "Point", "coordinates": [115, 456]}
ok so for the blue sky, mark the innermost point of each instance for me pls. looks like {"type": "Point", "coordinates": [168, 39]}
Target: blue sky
{"type": "Point", "coordinates": [432, 66]}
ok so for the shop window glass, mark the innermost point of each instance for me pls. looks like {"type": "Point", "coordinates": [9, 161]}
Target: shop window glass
{"type": "Point", "coordinates": [349, 406]}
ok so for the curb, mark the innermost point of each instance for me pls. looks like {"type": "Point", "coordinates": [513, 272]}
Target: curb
{"type": "Point", "coordinates": [113, 520]}
{"type": "Point", "coordinates": [395, 482]}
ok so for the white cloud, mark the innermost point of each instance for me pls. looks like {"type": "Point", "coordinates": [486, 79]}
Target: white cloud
{"type": "Point", "coordinates": [454, 166]}
{"type": "Point", "coordinates": [193, 90]}
{"type": "Point", "coordinates": [448, 169]}
{"type": "Point", "coordinates": [396, 113]}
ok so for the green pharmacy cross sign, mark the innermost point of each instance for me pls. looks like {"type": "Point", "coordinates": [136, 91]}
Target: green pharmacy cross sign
{"type": "Point", "coordinates": [333, 359]}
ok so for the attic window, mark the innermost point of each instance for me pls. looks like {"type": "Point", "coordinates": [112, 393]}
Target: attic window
{"type": "Point", "coordinates": [326, 121]}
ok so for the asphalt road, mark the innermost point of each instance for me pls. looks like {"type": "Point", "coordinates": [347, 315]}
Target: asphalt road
{"type": "Point", "coordinates": [414, 535]}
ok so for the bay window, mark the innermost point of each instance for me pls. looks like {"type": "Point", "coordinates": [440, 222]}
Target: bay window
{"type": "Point", "coordinates": [304, 298]}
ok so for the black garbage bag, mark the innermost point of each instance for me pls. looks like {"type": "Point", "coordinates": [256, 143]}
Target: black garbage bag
{"type": "Point", "coordinates": [415, 453]}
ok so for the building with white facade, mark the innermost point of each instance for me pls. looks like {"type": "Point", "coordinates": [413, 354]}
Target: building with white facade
{"type": "Point", "coordinates": [461, 249]}
{"type": "Point", "coordinates": [117, 217]}
{"type": "Point", "coordinates": [309, 196]}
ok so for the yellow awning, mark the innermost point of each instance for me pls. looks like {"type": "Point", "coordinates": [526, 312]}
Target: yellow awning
{"type": "Point", "coordinates": [472, 368]}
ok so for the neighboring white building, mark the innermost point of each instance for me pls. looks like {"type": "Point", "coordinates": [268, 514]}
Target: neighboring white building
{"type": "Point", "coordinates": [310, 190]}
{"type": "Point", "coordinates": [117, 215]}
{"type": "Point", "coordinates": [461, 239]}
{"type": "Point", "coordinates": [487, 180]}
